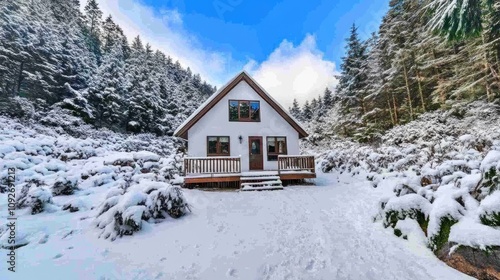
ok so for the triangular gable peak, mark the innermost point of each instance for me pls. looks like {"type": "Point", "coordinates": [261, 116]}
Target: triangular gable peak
{"type": "Point", "coordinates": [217, 96]}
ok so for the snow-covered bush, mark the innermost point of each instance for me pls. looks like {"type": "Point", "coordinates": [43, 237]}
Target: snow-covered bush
{"type": "Point", "coordinates": [444, 171]}
{"type": "Point", "coordinates": [57, 172]}
{"type": "Point", "coordinates": [64, 186]}
{"type": "Point", "coordinates": [489, 210]}
{"type": "Point", "coordinates": [123, 213]}
{"type": "Point", "coordinates": [74, 205]}
{"type": "Point", "coordinates": [34, 197]}
{"type": "Point", "coordinates": [445, 212]}
{"type": "Point", "coordinates": [412, 206]}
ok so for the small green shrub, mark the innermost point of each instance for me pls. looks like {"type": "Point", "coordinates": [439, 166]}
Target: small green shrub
{"type": "Point", "coordinates": [392, 217]}
{"type": "Point", "coordinates": [439, 240]}
{"type": "Point", "coordinates": [490, 219]}
{"type": "Point", "coordinates": [491, 181]}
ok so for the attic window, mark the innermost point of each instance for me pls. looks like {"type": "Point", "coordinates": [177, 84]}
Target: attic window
{"type": "Point", "coordinates": [244, 111]}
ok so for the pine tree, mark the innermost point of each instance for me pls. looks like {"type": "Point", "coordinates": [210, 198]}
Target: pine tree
{"type": "Point", "coordinates": [307, 113]}
{"type": "Point", "coordinates": [111, 34]}
{"type": "Point", "coordinates": [295, 109]}
{"type": "Point", "coordinates": [93, 18]}
{"type": "Point", "coordinates": [327, 99]}
{"type": "Point", "coordinates": [352, 79]}
{"type": "Point", "coordinates": [106, 94]}
{"type": "Point", "coordinates": [458, 19]}
{"type": "Point", "coordinates": [319, 112]}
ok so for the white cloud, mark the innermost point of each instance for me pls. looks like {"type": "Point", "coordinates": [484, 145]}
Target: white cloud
{"type": "Point", "coordinates": [164, 31]}
{"type": "Point", "coordinates": [294, 72]}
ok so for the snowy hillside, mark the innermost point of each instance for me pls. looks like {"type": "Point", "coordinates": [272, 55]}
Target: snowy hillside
{"type": "Point", "coordinates": [54, 56]}
{"type": "Point", "coordinates": [443, 169]}
{"type": "Point", "coordinates": [79, 199]}
{"type": "Point", "coordinates": [109, 174]}
{"type": "Point", "coordinates": [301, 232]}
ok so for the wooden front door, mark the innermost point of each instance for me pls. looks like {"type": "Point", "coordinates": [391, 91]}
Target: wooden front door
{"type": "Point", "coordinates": [255, 153]}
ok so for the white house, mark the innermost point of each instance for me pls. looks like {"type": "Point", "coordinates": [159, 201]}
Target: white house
{"type": "Point", "coordinates": [238, 133]}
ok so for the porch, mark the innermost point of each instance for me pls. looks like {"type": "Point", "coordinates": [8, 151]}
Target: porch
{"type": "Point", "coordinates": [226, 172]}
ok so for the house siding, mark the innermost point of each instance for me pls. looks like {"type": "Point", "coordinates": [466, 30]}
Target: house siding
{"type": "Point", "coordinates": [216, 123]}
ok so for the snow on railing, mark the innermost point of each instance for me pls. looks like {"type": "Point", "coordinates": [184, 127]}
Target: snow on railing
{"type": "Point", "coordinates": [208, 165]}
{"type": "Point", "coordinates": [296, 162]}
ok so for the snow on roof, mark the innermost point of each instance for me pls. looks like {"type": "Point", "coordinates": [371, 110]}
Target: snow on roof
{"type": "Point", "coordinates": [213, 96]}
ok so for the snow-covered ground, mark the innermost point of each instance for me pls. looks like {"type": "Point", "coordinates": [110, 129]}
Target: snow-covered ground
{"type": "Point", "coordinates": [302, 232]}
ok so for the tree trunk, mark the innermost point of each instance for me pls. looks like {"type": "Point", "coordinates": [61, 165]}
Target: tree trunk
{"type": "Point", "coordinates": [408, 90]}
{"type": "Point", "coordinates": [487, 71]}
{"type": "Point", "coordinates": [420, 90]}
{"type": "Point", "coordinates": [20, 78]}
{"type": "Point", "coordinates": [395, 108]}
{"type": "Point", "coordinates": [362, 101]}
{"type": "Point", "coordinates": [442, 94]}
{"type": "Point", "coordinates": [390, 108]}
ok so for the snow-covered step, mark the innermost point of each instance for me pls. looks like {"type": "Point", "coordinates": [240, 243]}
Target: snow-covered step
{"type": "Point", "coordinates": [264, 185]}
{"type": "Point", "coordinates": [273, 182]}
{"type": "Point", "coordinates": [260, 178]}
{"type": "Point", "coordinates": [262, 188]}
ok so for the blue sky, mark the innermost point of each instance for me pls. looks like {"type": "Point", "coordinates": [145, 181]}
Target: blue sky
{"type": "Point", "coordinates": [293, 48]}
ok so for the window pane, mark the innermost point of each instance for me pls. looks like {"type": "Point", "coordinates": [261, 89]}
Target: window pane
{"type": "Point", "coordinates": [233, 110]}
{"type": "Point", "coordinates": [224, 148]}
{"type": "Point", "coordinates": [271, 146]}
{"type": "Point", "coordinates": [281, 143]}
{"type": "Point", "coordinates": [224, 145]}
{"type": "Point", "coordinates": [212, 145]}
{"type": "Point", "coordinates": [244, 110]}
{"type": "Point", "coordinates": [255, 110]}
{"type": "Point", "coordinates": [255, 147]}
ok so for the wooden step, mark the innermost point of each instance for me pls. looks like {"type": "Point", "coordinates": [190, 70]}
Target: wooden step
{"type": "Point", "coordinates": [273, 182]}
{"type": "Point", "coordinates": [264, 185]}
{"type": "Point", "coordinates": [267, 178]}
{"type": "Point", "coordinates": [262, 188]}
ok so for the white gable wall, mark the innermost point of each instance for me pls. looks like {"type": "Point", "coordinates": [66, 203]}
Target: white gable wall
{"type": "Point", "coordinates": [216, 123]}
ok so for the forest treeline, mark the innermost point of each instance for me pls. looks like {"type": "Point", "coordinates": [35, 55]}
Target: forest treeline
{"type": "Point", "coordinates": [427, 54]}
{"type": "Point", "coordinates": [52, 56]}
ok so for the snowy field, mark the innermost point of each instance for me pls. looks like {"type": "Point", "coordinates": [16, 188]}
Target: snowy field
{"type": "Point", "coordinates": [303, 232]}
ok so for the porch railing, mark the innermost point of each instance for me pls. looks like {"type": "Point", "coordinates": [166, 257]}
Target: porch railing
{"type": "Point", "coordinates": [296, 163]}
{"type": "Point", "coordinates": [211, 165]}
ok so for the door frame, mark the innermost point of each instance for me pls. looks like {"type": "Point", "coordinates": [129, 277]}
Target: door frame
{"type": "Point", "coordinates": [250, 138]}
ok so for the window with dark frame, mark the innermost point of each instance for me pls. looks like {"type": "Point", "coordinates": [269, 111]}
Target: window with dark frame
{"type": "Point", "coordinates": [244, 111]}
{"type": "Point", "coordinates": [218, 146]}
{"type": "Point", "coordinates": [275, 146]}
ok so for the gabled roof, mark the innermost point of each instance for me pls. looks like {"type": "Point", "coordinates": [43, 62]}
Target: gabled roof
{"type": "Point", "coordinates": [181, 131]}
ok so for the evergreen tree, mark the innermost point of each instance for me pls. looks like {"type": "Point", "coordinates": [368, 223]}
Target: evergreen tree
{"type": "Point", "coordinates": [307, 113]}
{"type": "Point", "coordinates": [106, 93]}
{"type": "Point", "coordinates": [111, 34]}
{"type": "Point", "coordinates": [352, 79]}
{"type": "Point", "coordinates": [327, 99]}
{"type": "Point", "coordinates": [93, 18]}
{"type": "Point", "coordinates": [295, 110]}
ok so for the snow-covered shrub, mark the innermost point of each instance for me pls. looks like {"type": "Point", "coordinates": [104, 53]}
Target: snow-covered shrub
{"type": "Point", "coordinates": [445, 212]}
{"type": "Point", "coordinates": [123, 214]}
{"type": "Point", "coordinates": [120, 159]}
{"type": "Point", "coordinates": [489, 210]}
{"type": "Point", "coordinates": [35, 197]}
{"type": "Point", "coordinates": [437, 241]}
{"type": "Point", "coordinates": [65, 186]}
{"type": "Point", "coordinates": [167, 200]}
{"type": "Point", "coordinates": [412, 206]}
{"type": "Point", "coordinates": [74, 205]}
